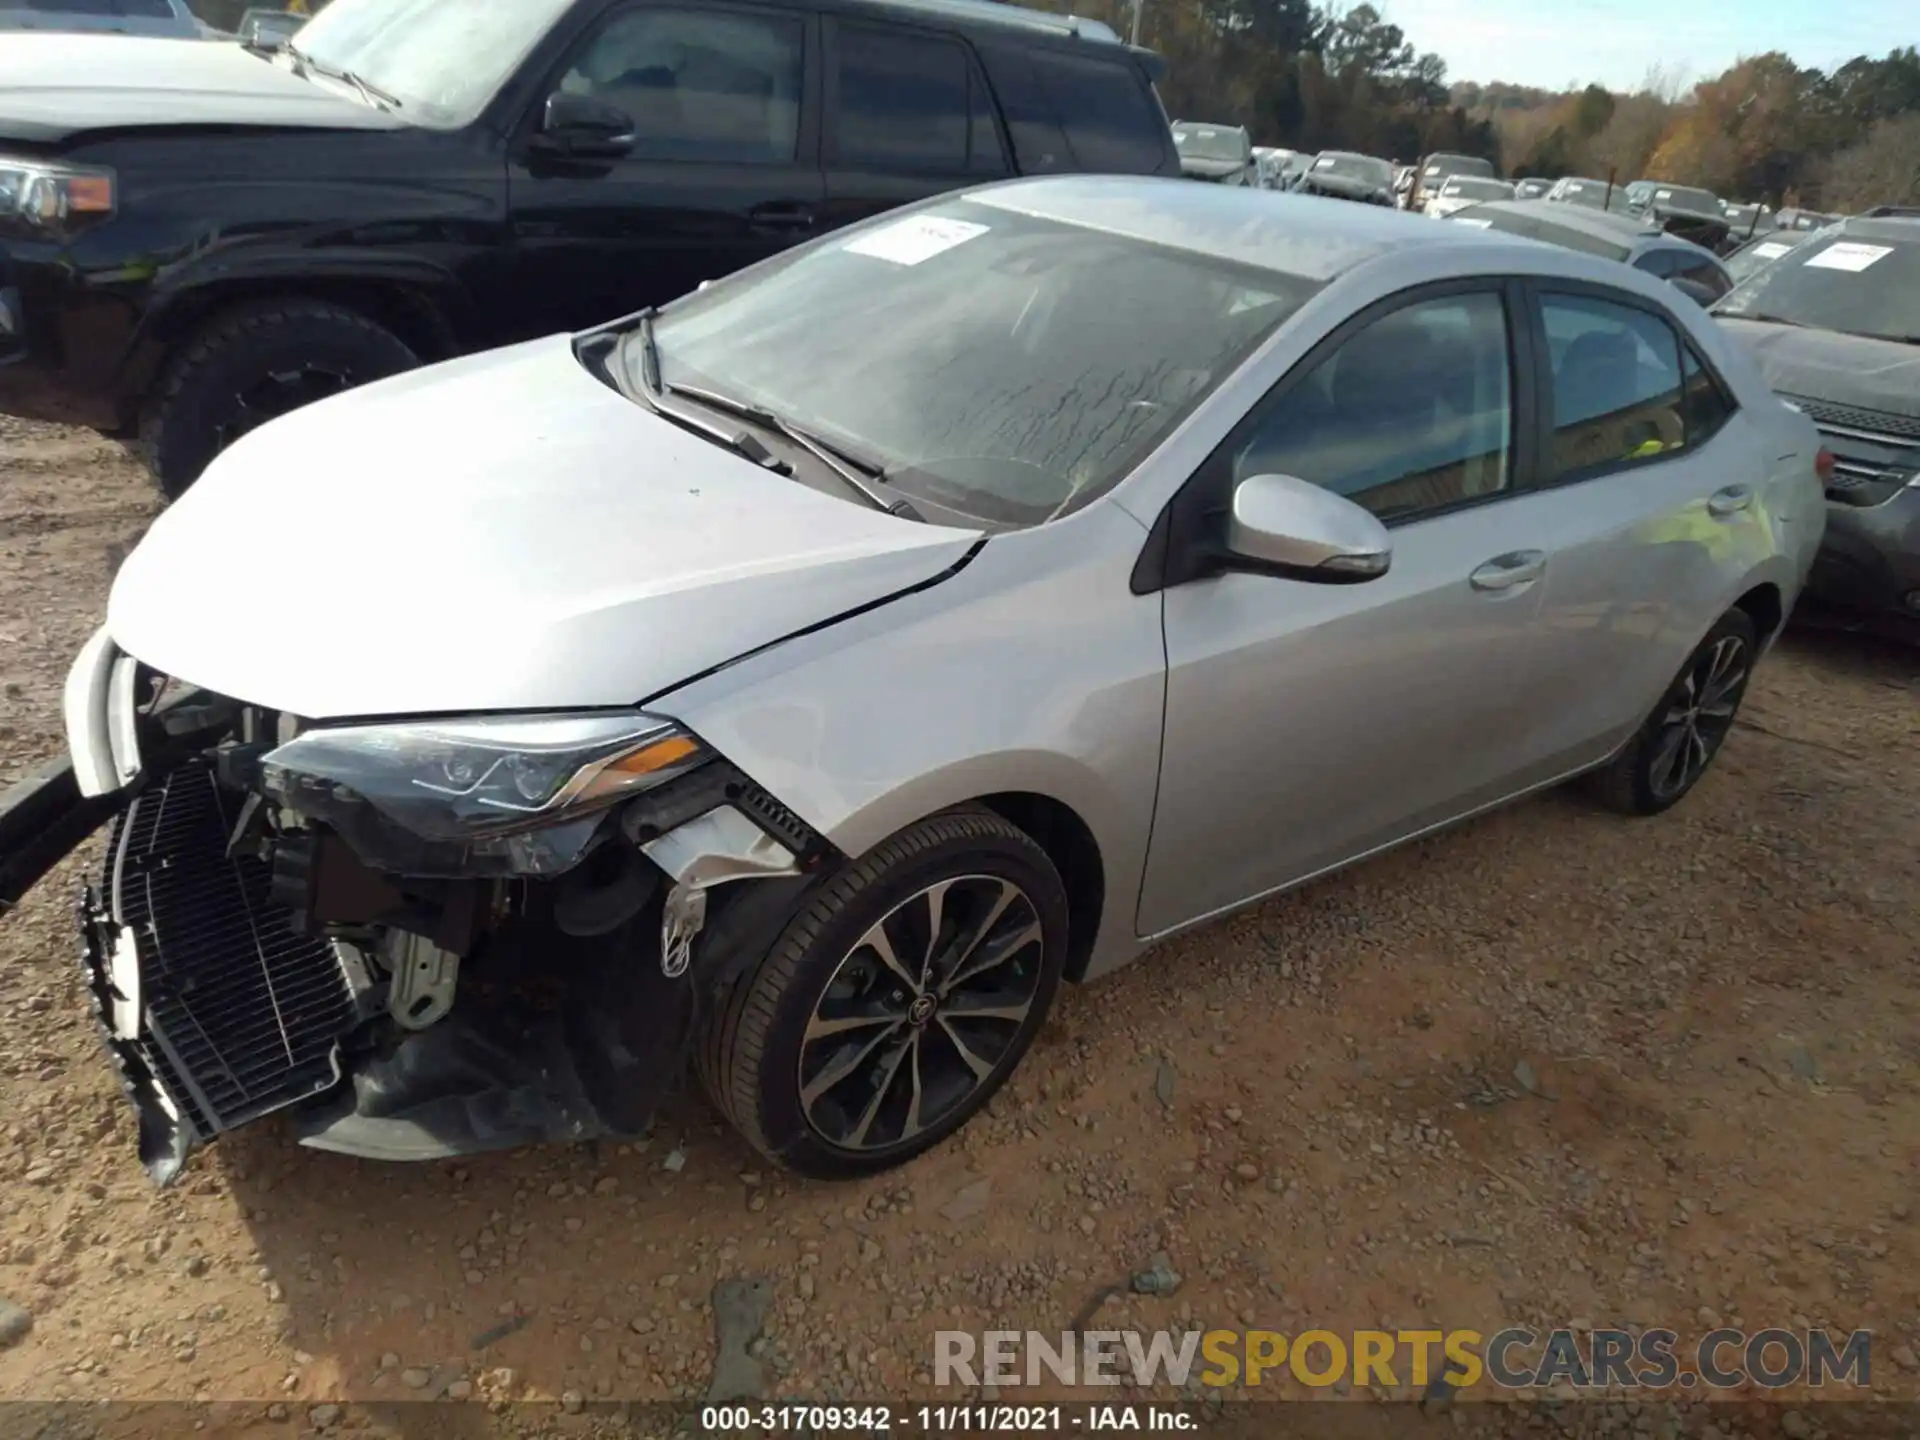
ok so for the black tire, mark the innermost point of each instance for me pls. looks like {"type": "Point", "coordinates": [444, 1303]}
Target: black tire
{"type": "Point", "coordinates": [750, 1062]}
{"type": "Point", "coordinates": [249, 365]}
{"type": "Point", "coordinates": [1640, 780]}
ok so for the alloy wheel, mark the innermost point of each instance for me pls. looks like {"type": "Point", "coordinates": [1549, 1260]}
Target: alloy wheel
{"type": "Point", "coordinates": [920, 1012]}
{"type": "Point", "coordinates": [1698, 716]}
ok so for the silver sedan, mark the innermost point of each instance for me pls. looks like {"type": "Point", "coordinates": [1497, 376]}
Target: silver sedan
{"type": "Point", "coordinates": [808, 679]}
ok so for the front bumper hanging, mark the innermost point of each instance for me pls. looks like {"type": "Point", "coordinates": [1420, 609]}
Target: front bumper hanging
{"type": "Point", "coordinates": [216, 1010]}
{"type": "Point", "coordinates": [43, 819]}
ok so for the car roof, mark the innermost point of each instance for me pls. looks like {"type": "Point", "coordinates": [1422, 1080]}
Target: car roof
{"type": "Point", "coordinates": [1355, 155]}
{"type": "Point", "coordinates": [992, 13]}
{"type": "Point", "coordinates": [1880, 227]}
{"type": "Point", "coordinates": [1301, 235]}
{"type": "Point", "coordinates": [1601, 224]}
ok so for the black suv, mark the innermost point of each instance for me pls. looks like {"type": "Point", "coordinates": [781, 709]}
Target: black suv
{"type": "Point", "coordinates": [198, 236]}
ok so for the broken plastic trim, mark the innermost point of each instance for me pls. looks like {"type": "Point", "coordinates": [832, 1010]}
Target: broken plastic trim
{"type": "Point", "coordinates": [710, 850]}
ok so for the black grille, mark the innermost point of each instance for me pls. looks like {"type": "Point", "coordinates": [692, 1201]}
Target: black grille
{"type": "Point", "coordinates": [1894, 428]}
{"type": "Point", "coordinates": [241, 1012]}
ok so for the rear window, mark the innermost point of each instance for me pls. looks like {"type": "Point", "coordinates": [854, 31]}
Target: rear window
{"type": "Point", "coordinates": [1470, 187]}
{"type": "Point", "coordinates": [1439, 165]}
{"type": "Point", "coordinates": [1110, 118]}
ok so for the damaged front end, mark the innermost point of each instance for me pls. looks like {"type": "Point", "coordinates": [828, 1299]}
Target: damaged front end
{"type": "Point", "coordinates": [421, 938]}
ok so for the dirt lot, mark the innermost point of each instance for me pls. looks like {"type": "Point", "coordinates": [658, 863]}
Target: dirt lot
{"type": "Point", "coordinates": [1554, 1067]}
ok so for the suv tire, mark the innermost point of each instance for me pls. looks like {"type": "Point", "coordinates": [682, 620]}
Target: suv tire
{"type": "Point", "coordinates": [250, 365]}
{"type": "Point", "coordinates": [764, 1052]}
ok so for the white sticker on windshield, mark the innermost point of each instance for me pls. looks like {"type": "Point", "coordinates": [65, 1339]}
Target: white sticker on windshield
{"type": "Point", "coordinates": [1771, 249]}
{"type": "Point", "coordinates": [1323, 163]}
{"type": "Point", "coordinates": [1663, 194]}
{"type": "Point", "coordinates": [917, 238]}
{"type": "Point", "coordinates": [1848, 255]}
{"type": "Point", "coordinates": [1469, 220]}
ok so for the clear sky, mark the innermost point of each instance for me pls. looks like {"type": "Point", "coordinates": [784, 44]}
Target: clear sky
{"type": "Point", "coordinates": [1557, 43]}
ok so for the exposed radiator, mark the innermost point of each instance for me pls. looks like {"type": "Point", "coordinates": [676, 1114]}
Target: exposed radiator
{"type": "Point", "coordinates": [234, 1012]}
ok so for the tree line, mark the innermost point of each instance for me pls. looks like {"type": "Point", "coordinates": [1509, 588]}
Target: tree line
{"type": "Point", "coordinates": [1765, 129]}
{"type": "Point", "coordinates": [1315, 77]}
{"type": "Point", "coordinates": [1299, 75]}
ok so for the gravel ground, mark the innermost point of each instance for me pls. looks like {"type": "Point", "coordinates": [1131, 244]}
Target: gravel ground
{"type": "Point", "coordinates": [1553, 1067]}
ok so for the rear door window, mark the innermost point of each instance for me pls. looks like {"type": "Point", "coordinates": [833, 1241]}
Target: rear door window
{"type": "Point", "coordinates": [1617, 389]}
{"type": "Point", "coordinates": [903, 101]}
{"type": "Point", "coordinates": [1110, 117]}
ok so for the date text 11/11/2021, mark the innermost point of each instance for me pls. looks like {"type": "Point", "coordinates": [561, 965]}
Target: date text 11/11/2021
{"type": "Point", "coordinates": [942, 1419]}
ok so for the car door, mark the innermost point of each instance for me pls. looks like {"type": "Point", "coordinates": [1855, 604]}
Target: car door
{"type": "Point", "coordinates": [1308, 724]}
{"type": "Point", "coordinates": [722, 169]}
{"type": "Point", "coordinates": [908, 115]}
{"type": "Point", "coordinates": [1663, 507]}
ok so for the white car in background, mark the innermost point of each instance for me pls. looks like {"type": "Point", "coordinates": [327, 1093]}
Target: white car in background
{"type": "Point", "coordinates": [1270, 166]}
{"type": "Point", "coordinates": [161, 19]}
{"type": "Point", "coordinates": [1458, 192]}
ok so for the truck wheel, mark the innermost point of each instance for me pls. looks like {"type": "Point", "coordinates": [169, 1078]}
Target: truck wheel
{"type": "Point", "coordinates": [897, 1002]}
{"type": "Point", "coordinates": [250, 365]}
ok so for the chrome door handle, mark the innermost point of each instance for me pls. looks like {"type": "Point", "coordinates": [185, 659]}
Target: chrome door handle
{"type": "Point", "coordinates": [1730, 501]}
{"type": "Point", "coordinates": [1503, 572]}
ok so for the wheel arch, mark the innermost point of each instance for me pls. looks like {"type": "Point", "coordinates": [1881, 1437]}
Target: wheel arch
{"type": "Point", "coordinates": [1057, 828]}
{"type": "Point", "coordinates": [1085, 829]}
{"type": "Point", "coordinates": [422, 307]}
{"type": "Point", "coordinates": [1766, 606]}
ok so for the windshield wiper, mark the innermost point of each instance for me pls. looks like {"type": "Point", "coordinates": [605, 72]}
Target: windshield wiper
{"type": "Point", "coordinates": [371, 93]}
{"type": "Point", "coordinates": [859, 474]}
{"type": "Point", "coordinates": [1772, 320]}
{"type": "Point", "coordinates": [655, 392]}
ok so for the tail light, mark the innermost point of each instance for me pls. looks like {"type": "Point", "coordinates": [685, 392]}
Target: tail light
{"type": "Point", "coordinates": [1823, 465]}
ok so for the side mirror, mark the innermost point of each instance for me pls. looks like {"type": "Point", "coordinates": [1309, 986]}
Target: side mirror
{"type": "Point", "coordinates": [1700, 294]}
{"type": "Point", "coordinates": [1284, 526]}
{"type": "Point", "coordinates": [582, 125]}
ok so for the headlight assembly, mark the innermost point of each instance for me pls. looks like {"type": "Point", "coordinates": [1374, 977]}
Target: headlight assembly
{"type": "Point", "coordinates": [48, 197]}
{"type": "Point", "coordinates": [508, 795]}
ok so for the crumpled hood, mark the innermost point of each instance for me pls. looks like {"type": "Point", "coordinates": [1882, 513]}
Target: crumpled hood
{"type": "Point", "coordinates": [499, 532]}
{"type": "Point", "coordinates": [55, 86]}
{"type": "Point", "coordinates": [1831, 365]}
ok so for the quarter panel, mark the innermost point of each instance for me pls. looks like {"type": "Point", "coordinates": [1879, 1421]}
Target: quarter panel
{"type": "Point", "coordinates": [1034, 669]}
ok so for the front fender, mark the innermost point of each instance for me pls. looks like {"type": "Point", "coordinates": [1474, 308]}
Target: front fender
{"type": "Point", "coordinates": [1034, 670]}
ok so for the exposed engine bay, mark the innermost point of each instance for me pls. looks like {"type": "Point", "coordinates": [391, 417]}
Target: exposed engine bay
{"type": "Point", "coordinates": [421, 939]}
